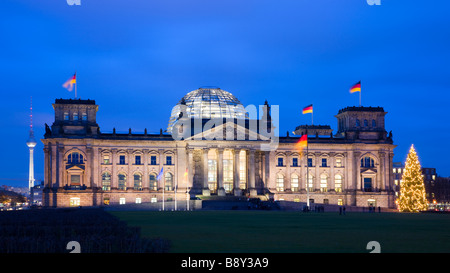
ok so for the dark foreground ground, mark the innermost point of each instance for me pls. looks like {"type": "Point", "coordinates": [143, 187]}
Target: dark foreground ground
{"type": "Point", "coordinates": [288, 231]}
{"type": "Point", "coordinates": [53, 230]}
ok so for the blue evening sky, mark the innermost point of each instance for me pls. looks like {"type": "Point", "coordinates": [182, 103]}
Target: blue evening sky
{"type": "Point", "coordinates": [138, 58]}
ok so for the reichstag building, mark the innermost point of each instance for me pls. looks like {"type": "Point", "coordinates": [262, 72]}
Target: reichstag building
{"type": "Point", "coordinates": [214, 146]}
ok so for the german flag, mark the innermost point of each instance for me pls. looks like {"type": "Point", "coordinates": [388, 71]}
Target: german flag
{"type": "Point", "coordinates": [308, 109]}
{"type": "Point", "coordinates": [302, 143]}
{"type": "Point", "coordinates": [70, 82]}
{"type": "Point", "coordinates": [356, 87]}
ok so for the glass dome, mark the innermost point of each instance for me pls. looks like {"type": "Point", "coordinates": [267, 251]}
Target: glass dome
{"type": "Point", "coordinates": [208, 103]}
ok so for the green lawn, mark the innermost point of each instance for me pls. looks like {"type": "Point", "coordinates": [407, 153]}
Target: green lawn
{"type": "Point", "coordinates": [281, 231]}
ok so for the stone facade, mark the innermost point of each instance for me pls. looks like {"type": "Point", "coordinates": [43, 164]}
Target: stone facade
{"type": "Point", "coordinates": [84, 167]}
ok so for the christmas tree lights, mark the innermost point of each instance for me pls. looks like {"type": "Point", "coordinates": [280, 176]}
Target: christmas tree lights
{"type": "Point", "coordinates": [412, 189]}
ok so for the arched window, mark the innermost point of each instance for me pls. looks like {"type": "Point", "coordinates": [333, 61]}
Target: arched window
{"type": "Point", "coordinates": [357, 123]}
{"type": "Point", "coordinates": [338, 183]}
{"type": "Point", "coordinates": [153, 183]}
{"type": "Point", "coordinates": [280, 182]}
{"type": "Point", "coordinates": [323, 183]}
{"type": "Point", "coordinates": [294, 182]}
{"type": "Point", "coordinates": [122, 179]}
{"type": "Point", "coordinates": [366, 123]}
{"type": "Point", "coordinates": [106, 181]}
{"type": "Point", "coordinates": [75, 158]}
{"type": "Point", "coordinates": [374, 123]}
{"type": "Point", "coordinates": [367, 162]}
{"type": "Point", "coordinates": [137, 181]}
{"type": "Point", "coordinates": [168, 177]}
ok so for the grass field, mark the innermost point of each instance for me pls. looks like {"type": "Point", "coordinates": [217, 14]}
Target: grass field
{"type": "Point", "coordinates": [283, 232]}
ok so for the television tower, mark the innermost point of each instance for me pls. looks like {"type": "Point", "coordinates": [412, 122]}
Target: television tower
{"type": "Point", "coordinates": [31, 143]}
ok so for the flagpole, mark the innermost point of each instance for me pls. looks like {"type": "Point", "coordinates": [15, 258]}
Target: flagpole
{"type": "Point", "coordinates": [307, 172]}
{"type": "Point", "coordinates": [176, 186]}
{"type": "Point", "coordinates": [359, 98]}
{"type": "Point", "coordinates": [76, 83]}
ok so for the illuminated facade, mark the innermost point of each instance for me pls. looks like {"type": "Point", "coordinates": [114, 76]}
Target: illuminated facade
{"type": "Point", "coordinates": [84, 166]}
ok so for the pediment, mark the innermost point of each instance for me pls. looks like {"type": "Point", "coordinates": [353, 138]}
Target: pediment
{"type": "Point", "coordinates": [228, 131]}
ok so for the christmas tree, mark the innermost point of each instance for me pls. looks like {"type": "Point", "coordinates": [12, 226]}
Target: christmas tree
{"type": "Point", "coordinates": [412, 189]}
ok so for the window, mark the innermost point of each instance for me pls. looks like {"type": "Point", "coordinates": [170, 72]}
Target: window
{"type": "Point", "coordinates": [394, 170]}
{"type": "Point", "coordinates": [137, 160]}
{"type": "Point", "coordinates": [75, 180]}
{"type": "Point", "coordinates": [374, 123]}
{"type": "Point", "coordinates": [367, 162]}
{"type": "Point", "coordinates": [340, 203]}
{"type": "Point", "coordinates": [338, 183]}
{"type": "Point", "coordinates": [122, 181]}
{"type": "Point", "coordinates": [153, 200]}
{"type": "Point", "coordinates": [294, 182]}
{"type": "Point", "coordinates": [367, 184]}
{"type": "Point", "coordinates": [122, 160]}
{"type": "Point", "coordinates": [153, 183]}
{"type": "Point", "coordinates": [326, 201]}
{"type": "Point", "coordinates": [66, 116]}
{"type": "Point", "coordinates": [75, 158]}
{"type": "Point", "coordinates": [138, 200]}
{"type": "Point", "coordinates": [75, 116]}
{"type": "Point", "coordinates": [357, 123]}
{"type": "Point", "coordinates": [168, 182]}
{"type": "Point", "coordinates": [323, 182]}
{"type": "Point", "coordinates": [74, 202]}
{"type": "Point", "coordinates": [106, 181]}
{"type": "Point", "coordinates": [324, 162]}
{"type": "Point", "coordinates": [280, 162]}
{"type": "Point", "coordinates": [294, 162]}
{"type": "Point", "coordinates": [338, 162]}
{"type": "Point", "coordinates": [84, 117]}
{"type": "Point", "coordinates": [366, 123]}
{"type": "Point", "coordinates": [280, 182]}
{"type": "Point", "coordinates": [106, 201]}
{"type": "Point", "coordinates": [168, 160]}
{"type": "Point", "coordinates": [122, 200]}
{"type": "Point", "coordinates": [138, 182]}
{"type": "Point", "coordinates": [153, 160]}
{"type": "Point", "coordinates": [106, 159]}
{"type": "Point", "coordinates": [310, 162]}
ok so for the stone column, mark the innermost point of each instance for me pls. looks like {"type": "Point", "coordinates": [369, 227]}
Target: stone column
{"type": "Point", "coordinates": [114, 179]}
{"type": "Point", "coordinates": [47, 166]}
{"type": "Point", "coordinates": [145, 179]}
{"type": "Point", "coordinates": [357, 169]}
{"type": "Point", "coordinates": [89, 163]}
{"type": "Point", "coordinates": [205, 190]}
{"type": "Point", "coordinates": [130, 177]}
{"type": "Point", "coordinates": [161, 181]}
{"type": "Point", "coordinates": [60, 179]}
{"type": "Point", "coordinates": [220, 189]}
{"type": "Point", "coordinates": [287, 181]}
{"type": "Point", "coordinates": [266, 169]}
{"type": "Point", "coordinates": [191, 168]}
{"type": "Point", "coordinates": [251, 178]}
{"type": "Point", "coordinates": [332, 163]}
{"type": "Point", "coordinates": [236, 170]}
{"type": "Point", "coordinates": [317, 163]}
